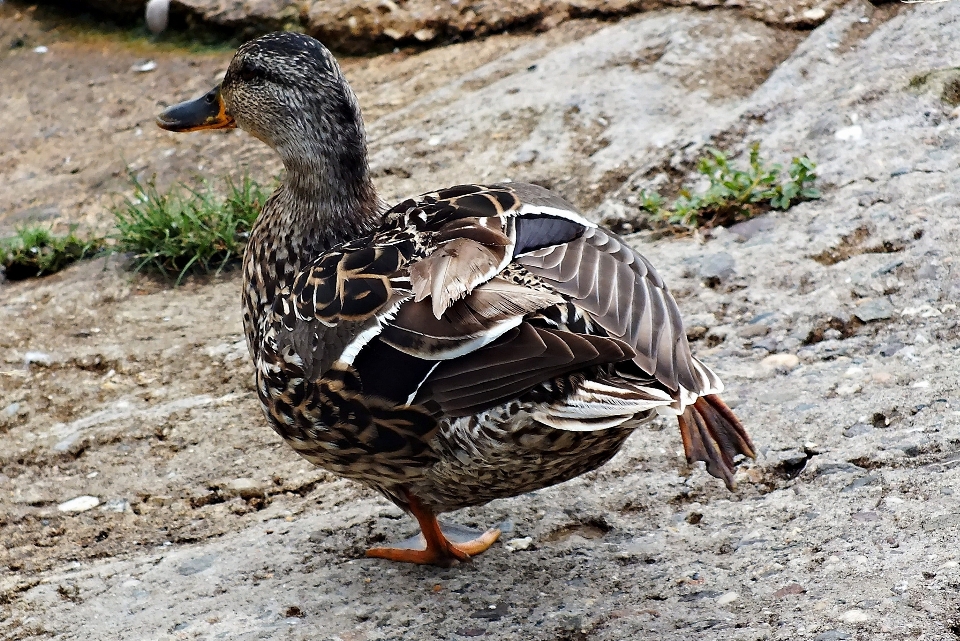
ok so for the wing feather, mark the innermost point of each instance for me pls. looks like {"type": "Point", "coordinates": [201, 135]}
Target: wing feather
{"type": "Point", "coordinates": [628, 299]}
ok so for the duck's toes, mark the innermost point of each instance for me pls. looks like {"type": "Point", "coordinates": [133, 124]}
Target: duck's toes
{"type": "Point", "coordinates": [469, 540]}
{"type": "Point", "coordinates": [459, 543]}
{"type": "Point", "coordinates": [424, 556]}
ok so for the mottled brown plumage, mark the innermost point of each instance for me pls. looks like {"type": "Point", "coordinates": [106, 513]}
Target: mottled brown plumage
{"type": "Point", "coordinates": [469, 344]}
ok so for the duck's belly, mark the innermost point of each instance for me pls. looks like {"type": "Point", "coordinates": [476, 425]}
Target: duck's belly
{"type": "Point", "coordinates": [499, 455]}
{"type": "Point", "coordinates": [448, 463]}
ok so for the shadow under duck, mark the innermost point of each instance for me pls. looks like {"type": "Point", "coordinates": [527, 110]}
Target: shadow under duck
{"type": "Point", "coordinates": [469, 344]}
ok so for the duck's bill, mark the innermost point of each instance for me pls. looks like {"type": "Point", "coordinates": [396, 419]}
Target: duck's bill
{"type": "Point", "coordinates": [206, 112]}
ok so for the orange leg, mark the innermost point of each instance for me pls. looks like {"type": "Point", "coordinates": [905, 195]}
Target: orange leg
{"type": "Point", "coordinates": [439, 550]}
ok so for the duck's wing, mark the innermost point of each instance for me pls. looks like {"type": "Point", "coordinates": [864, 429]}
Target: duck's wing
{"type": "Point", "coordinates": [472, 296]}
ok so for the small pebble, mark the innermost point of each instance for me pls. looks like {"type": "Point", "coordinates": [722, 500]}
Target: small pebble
{"type": "Point", "coordinates": [79, 504]}
{"type": "Point", "coordinates": [874, 310]}
{"type": "Point", "coordinates": [116, 505]}
{"type": "Point", "coordinates": [858, 429]}
{"type": "Point", "coordinates": [717, 267]}
{"type": "Point", "coordinates": [523, 543]}
{"type": "Point", "coordinates": [815, 14]}
{"type": "Point", "coordinates": [790, 589]}
{"type": "Point", "coordinates": [855, 616]}
{"type": "Point", "coordinates": [40, 49]}
{"type": "Point", "coordinates": [145, 67]}
{"type": "Point", "coordinates": [781, 362]}
{"type": "Point", "coordinates": [849, 133]}
{"type": "Point", "coordinates": [38, 358]}
{"type": "Point", "coordinates": [753, 331]}
{"type": "Point", "coordinates": [727, 599]}
{"type": "Point", "coordinates": [848, 389]}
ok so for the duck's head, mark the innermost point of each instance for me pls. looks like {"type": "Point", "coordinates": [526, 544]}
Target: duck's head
{"type": "Point", "coordinates": [287, 90]}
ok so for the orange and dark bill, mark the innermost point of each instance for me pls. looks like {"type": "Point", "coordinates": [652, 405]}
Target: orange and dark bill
{"type": "Point", "coordinates": [206, 112]}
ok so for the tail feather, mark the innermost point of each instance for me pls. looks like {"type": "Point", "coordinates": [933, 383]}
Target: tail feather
{"type": "Point", "coordinates": [713, 434]}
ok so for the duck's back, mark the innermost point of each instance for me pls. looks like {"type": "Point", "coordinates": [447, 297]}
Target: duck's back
{"type": "Point", "coordinates": [484, 342]}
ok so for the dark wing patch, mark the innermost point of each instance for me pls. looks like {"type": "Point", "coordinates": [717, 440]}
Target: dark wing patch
{"type": "Point", "coordinates": [537, 232]}
{"type": "Point", "coordinates": [388, 373]}
{"type": "Point", "coordinates": [456, 191]}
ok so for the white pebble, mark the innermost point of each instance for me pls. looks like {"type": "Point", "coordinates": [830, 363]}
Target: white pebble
{"type": "Point", "coordinates": [814, 14]}
{"type": "Point", "coordinates": [158, 15]}
{"type": "Point", "coordinates": [514, 545]}
{"type": "Point", "coordinates": [781, 362]}
{"type": "Point", "coordinates": [40, 358]}
{"type": "Point", "coordinates": [40, 49]}
{"type": "Point", "coordinates": [149, 65]}
{"type": "Point", "coordinates": [855, 616]}
{"type": "Point", "coordinates": [849, 133]}
{"type": "Point", "coordinates": [728, 598]}
{"type": "Point", "coordinates": [79, 504]}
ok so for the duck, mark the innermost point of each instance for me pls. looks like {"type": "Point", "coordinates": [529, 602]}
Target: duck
{"type": "Point", "coordinates": [472, 343]}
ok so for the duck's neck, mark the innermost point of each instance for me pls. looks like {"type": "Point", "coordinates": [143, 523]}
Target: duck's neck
{"type": "Point", "coordinates": [326, 198]}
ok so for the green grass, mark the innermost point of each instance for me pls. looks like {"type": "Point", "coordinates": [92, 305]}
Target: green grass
{"type": "Point", "coordinates": [734, 195]}
{"type": "Point", "coordinates": [184, 231]}
{"type": "Point", "coordinates": [35, 251]}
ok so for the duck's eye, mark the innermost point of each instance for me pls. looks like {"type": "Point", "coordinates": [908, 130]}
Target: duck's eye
{"type": "Point", "coordinates": [246, 74]}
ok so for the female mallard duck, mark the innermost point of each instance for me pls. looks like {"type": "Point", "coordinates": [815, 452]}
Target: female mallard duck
{"type": "Point", "coordinates": [469, 344]}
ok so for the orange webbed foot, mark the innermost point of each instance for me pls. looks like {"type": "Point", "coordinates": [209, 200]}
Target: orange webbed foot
{"type": "Point", "coordinates": [441, 545]}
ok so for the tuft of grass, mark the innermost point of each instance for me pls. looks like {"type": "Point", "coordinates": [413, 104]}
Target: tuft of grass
{"type": "Point", "coordinates": [184, 231]}
{"type": "Point", "coordinates": [734, 195]}
{"type": "Point", "coordinates": [35, 251]}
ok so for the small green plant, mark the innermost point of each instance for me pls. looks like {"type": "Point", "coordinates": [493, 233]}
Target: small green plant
{"type": "Point", "coordinates": [183, 230]}
{"type": "Point", "coordinates": [734, 194]}
{"type": "Point", "coordinates": [36, 251]}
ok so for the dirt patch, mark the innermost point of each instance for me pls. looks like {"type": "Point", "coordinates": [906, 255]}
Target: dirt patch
{"type": "Point", "coordinates": [740, 65]}
{"type": "Point", "coordinates": [856, 243]}
{"type": "Point", "coordinates": [874, 16]}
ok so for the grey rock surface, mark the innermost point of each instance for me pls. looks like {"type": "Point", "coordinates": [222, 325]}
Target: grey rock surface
{"type": "Point", "coordinates": [844, 528]}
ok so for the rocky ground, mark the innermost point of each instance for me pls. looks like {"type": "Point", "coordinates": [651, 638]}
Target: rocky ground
{"type": "Point", "coordinates": [361, 26]}
{"type": "Point", "coordinates": [142, 496]}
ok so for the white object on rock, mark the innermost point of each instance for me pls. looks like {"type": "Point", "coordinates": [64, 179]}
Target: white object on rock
{"type": "Point", "coordinates": [79, 504]}
{"type": "Point", "coordinates": [40, 49]}
{"type": "Point", "coordinates": [39, 358]}
{"type": "Point", "coordinates": [149, 65]}
{"type": "Point", "coordinates": [523, 543]}
{"type": "Point", "coordinates": [727, 599]}
{"type": "Point", "coordinates": [158, 15]}
{"type": "Point", "coordinates": [849, 133]}
{"type": "Point", "coordinates": [815, 14]}
{"type": "Point", "coordinates": [781, 362]}
{"type": "Point", "coordinates": [855, 616]}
